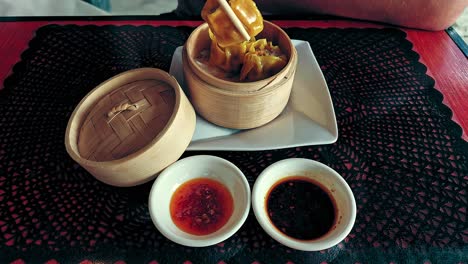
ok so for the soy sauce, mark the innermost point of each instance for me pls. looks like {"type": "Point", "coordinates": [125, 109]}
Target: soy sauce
{"type": "Point", "coordinates": [301, 208]}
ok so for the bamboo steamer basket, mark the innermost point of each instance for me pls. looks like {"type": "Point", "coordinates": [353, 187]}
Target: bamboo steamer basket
{"type": "Point", "coordinates": [239, 105]}
{"type": "Point", "coordinates": [131, 127]}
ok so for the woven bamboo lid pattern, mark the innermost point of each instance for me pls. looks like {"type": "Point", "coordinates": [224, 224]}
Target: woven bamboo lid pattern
{"type": "Point", "coordinates": [125, 120]}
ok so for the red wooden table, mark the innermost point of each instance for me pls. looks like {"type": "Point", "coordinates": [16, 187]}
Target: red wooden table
{"type": "Point", "coordinates": [445, 61]}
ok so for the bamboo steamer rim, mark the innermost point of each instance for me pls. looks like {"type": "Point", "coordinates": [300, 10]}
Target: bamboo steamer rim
{"type": "Point", "coordinates": [239, 86]}
{"type": "Point", "coordinates": [264, 90]}
{"type": "Point", "coordinates": [116, 82]}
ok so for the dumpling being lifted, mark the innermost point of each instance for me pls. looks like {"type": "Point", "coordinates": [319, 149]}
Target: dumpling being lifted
{"type": "Point", "coordinates": [230, 58]}
{"type": "Point", "coordinates": [222, 27]}
{"type": "Point", "coordinates": [235, 58]}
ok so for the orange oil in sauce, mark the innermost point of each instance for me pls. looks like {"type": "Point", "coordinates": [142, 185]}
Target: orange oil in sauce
{"type": "Point", "coordinates": [201, 206]}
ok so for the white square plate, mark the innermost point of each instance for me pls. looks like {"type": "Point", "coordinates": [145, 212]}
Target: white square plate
{"type": "Point", "coordinates": [308, 119]}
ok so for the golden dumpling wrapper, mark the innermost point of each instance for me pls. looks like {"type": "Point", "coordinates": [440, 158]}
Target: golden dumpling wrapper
{"type": "Point", "coordinates": [261, 61]}
{"type": "Point", "coordinates": [230, 58]}
{"type": "Point", "coordinates": [222, 27]}
{"type": "Point", "coordinates": [249, 15]}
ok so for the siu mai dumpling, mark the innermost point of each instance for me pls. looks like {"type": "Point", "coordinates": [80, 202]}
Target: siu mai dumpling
{"type": "Point", "coordinates": [262, 60]}
{"type": "Point", "coordinates": [229, 58]}
{"type": "Point", "coordinates": [222, 27]}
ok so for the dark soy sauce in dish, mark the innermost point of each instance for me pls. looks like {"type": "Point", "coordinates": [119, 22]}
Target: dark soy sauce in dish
{"type": "Point", "coordinates": [301, 208]}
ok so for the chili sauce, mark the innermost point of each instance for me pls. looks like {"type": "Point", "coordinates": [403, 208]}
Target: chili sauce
{"type": "Point", "coordinates": [201, 206]}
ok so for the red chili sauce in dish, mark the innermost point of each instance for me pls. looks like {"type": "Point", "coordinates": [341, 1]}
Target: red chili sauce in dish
{"type": "Point", "coordinates": [300, 208]}
{"type": "Point", "coordinates": [201, 206]}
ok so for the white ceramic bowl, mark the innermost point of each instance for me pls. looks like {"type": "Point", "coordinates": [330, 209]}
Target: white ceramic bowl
{"type": "Point", "coordinates": [330, 179]}
{"type": "Point", "coordinates": [202, 166]}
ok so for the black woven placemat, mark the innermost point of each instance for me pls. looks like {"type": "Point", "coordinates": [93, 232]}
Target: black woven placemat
{"type": "Point", "coordinates": [398, 149]}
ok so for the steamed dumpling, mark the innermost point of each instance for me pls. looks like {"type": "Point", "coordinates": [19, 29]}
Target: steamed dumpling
{"type": "Point", "coordinates": [230, 58]}
{"type": "Point", "coordinates": [222, 27]}
{"type": "Point", "coordinates": [261, 61]}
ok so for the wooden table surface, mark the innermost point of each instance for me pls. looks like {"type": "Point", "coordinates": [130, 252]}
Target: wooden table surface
{"type": "Point", "coordinates": [445, 61]}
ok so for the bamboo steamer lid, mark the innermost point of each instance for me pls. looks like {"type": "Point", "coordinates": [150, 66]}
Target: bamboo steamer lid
{"type": "Point", "coordinates": [125, 120]}
{"type": "Point", "coordinates": [131, 127]}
